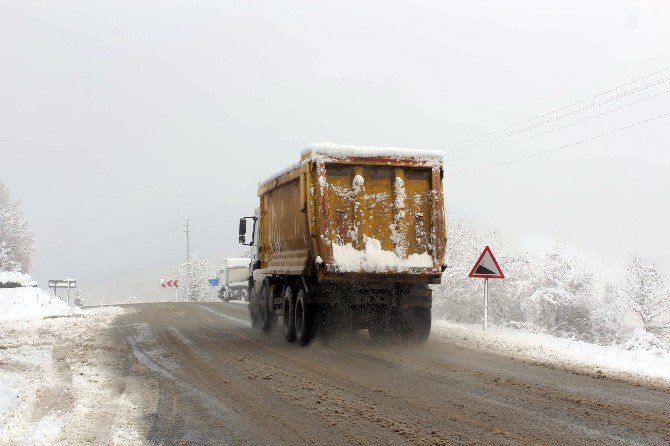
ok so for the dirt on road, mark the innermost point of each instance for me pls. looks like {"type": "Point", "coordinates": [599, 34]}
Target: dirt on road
{"type": "Point", "coordinates": [201, 375]}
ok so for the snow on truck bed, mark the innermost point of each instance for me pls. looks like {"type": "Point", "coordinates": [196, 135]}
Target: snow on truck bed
{"type": "Point", "coordinates": [335, 151]}
{"type": "Point", "coordinates": [327, 151]}
{"type": "Point", "coordinates": [374, 259]}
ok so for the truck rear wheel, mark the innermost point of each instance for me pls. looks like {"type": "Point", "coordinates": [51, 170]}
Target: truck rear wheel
{"type": "Point", "coordinates": [288, 317]}
{"type": "Point", "coordinates": [268, 318]}
{"type": "Point", "coordinates": [419, 324]}
{"type": "Point", "coordinates": [305, 323]}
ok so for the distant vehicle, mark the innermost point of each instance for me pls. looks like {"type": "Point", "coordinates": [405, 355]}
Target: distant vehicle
{"type": "Point", "coordinates": [349, 236]}
{"type": "Point", "coordinates": [234, 279]}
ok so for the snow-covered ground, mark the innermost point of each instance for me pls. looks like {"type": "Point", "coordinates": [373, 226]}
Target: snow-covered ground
{"type": "Point", "coordinates": [639, 361]}
{"type": "Point", "coordinates": [26, 303]}
{"type": "Point", "coordinates": [53, 382]}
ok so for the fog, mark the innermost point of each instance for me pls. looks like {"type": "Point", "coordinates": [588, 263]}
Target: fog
{"type": "Point", "coordinates": [119, 119]}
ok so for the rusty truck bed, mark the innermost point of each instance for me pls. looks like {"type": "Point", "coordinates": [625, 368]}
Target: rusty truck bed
{"type": "Point", "coordinates": [343, 213]}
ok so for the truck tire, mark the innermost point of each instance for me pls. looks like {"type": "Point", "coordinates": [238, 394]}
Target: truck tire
{"type": "Point", "coordinates": [288, 317]}
{"type": "Point", "coordinates": [244, 295]}
{"type": "Point", "coordinates": [255, 306]}
{"type": "Point", "coordinates": [268, 319]}
{"type": "Point", "coordinates": [223, 294]}
{"type": "Point", "coordinates": [305, 322]}
{"type": "Point", "coordinates": [419, 326]}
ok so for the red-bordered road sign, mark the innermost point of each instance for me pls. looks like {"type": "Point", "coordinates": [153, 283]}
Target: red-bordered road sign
{"type": "Point", "coordinates": [487, 266]}
{"type": "Point", "coordinates": [175, 283]}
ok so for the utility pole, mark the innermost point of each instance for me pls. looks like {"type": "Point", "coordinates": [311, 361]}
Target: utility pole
{"type": "Point", "coordinates": [187, 229]}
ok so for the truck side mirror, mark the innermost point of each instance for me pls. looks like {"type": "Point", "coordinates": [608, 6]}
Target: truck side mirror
{"type": "Point", "coordinates": [243, 231]}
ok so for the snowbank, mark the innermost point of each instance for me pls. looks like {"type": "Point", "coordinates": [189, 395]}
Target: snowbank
{"type": "Point", "coordinates": [633, 362]}
{"type": "Point", "coordinates": [9, 396]}
{"type": "Point", "coordinates": [374, 259]}
{"type": "Point", "coordinates": [30, 303]}
{"type": "Point", "coordinates": [640, 339]}
{"type": "Point", "coordinates": [14, 277]}
{"type": "Point", "coordinates": [55, 379]}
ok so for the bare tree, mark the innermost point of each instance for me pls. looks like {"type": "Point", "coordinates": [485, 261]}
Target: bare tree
{"type": "Point", "coordinates": [645, 293]}
{"type": "Point", "coordinates": [16, 239]}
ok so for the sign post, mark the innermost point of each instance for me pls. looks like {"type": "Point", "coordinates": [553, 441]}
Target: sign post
{"type": "Point", "coordinates": [169, 283]}
{"type": "Point", "coordinates": [162, 282]}
{"type": "Point", "coordinates": [213, 283]}
{"type": "Point", "coordinates": [487, 268]}
{"type": "Point", "coordinates": [63, 283]}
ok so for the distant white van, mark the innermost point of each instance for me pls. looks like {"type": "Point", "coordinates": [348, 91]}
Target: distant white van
{"type": "Point", "coordinates": [234, 279]}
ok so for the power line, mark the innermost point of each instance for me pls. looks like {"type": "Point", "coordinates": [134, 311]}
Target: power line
{"type": "Point", "coordinates": [563, 147]}
{"type": "Point", "coordinates": [457, 144]}
{"type": "Point", "coordinates": [468, 155]}
{"type": "Point", "coordinates": [559, 117]}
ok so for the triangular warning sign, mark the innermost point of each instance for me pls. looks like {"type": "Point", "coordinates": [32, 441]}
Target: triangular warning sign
{"type": "Point", "coordinates": [487, 266]}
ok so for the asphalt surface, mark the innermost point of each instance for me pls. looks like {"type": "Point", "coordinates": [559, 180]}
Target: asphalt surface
{"type": "Point", "coordinates": [206, 377]}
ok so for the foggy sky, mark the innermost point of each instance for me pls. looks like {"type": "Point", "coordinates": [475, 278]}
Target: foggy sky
{"type": "Point", "coordinates": [118, 119]}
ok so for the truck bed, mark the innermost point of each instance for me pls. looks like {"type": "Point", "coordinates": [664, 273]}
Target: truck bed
{"type": "Point", "coordinates": [346, 211]}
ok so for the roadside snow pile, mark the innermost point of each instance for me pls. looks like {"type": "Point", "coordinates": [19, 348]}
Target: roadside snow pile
{"type": "Point", "coordinates": [14, 277]}
{"type": "Point", "coordinates": [641, 339]}
{"type": "Point", "coordinates": [57, 381]}
{"type": "Point", "coordinates": [30, 303]}
{"type": "Point", "coordinates": [640, 360]}
{"type": "Point", "coordinates": [374, 259]}
{"type": "Point", "coordinates": [8, 396]}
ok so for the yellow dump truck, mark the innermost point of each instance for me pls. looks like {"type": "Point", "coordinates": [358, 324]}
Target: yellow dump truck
{"type": "Point", "coordinates": [348, 236]}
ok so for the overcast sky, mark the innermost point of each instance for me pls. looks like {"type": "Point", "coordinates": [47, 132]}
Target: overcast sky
{"type": "Point", "coordinates": [120, 118]}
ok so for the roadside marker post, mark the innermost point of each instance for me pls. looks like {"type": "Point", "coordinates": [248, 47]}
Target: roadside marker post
{"type": "Point", "coordinates": [487, 268]}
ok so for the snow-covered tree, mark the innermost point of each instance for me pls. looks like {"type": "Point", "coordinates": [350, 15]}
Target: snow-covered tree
{"type": "Point", "coordinates": [78, 299]}
{"type": "Point", "coordinates": [16, 240]}
{"type": "Point", "coordinates": [644, 291]}
{"type": "Point", "coordinates": [554, 293]}
{"type": "Point", "coordinates": [562, 289]}
{"type": "Point", "coordinates": [199, 289]}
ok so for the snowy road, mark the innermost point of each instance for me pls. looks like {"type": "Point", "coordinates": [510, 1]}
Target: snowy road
{"type": "Point", "coordinates": [200, 375]}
